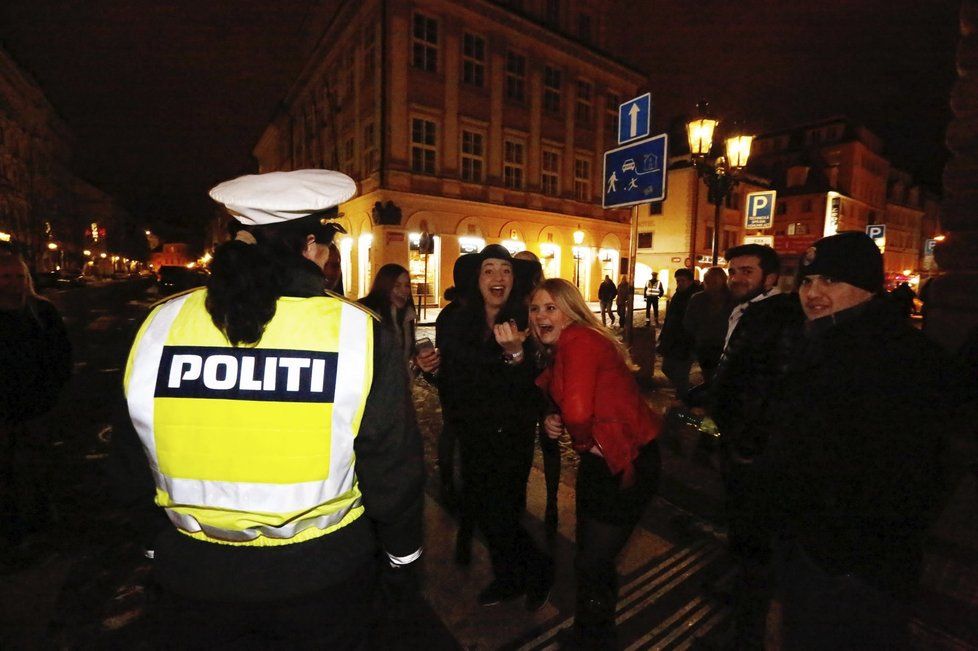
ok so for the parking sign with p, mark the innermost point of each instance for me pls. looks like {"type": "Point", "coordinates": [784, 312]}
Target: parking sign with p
{"type": "Point", "coordinates": [760, 209]}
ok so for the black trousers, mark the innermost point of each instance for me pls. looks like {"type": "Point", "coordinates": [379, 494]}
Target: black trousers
{"type": "Point", "coordinates": [495, 465]}
{"type": "Point", "coordinates": [652, 303]}
{"type": "Point", "coordinates": [606, 516]}
{"type": "Point", "coordinates": [338, 617]}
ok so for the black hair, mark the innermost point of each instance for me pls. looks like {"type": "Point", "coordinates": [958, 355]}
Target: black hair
{"type": "Point", "coordinates": [472, 314]}
{"type": "Point", "coordinates": [684, 272]}
{"type": "Point", "coordinates": [770, 263]}
{"type": "Point", "coordinates": [247, 280]}
{"type": "Point", "coordinates": [379, 298]}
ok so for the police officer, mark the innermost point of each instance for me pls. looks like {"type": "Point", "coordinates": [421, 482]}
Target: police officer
{"type": "Point", "coordinates": [279, 433]}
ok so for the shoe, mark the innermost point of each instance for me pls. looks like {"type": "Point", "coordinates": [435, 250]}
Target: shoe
{"type": "Point", "coordinates": [498, 592]}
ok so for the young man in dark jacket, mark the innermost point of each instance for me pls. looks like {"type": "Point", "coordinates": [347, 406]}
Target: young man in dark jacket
{"type": "Point", "coordinates": [855, 459]}
{"type": "Point", "coordinates": [762, 327]}
{"type": "Point", "coordinates": [606, 296]}
{"type": "Point", "coordinates": [675, 342]}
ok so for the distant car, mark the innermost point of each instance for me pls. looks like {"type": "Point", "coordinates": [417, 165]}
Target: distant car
{"type": "Point", "coordinates": [174, 279]}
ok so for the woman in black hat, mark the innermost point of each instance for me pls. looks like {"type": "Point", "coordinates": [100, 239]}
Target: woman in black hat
{"type": "Point", "coordinates": [485, 361]}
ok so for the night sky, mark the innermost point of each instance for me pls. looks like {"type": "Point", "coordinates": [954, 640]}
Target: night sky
{"type": "Point", "coordinates": [167, 98]}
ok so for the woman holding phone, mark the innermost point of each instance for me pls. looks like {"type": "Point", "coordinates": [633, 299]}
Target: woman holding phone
{"type": "Point", "coordinates": [588, 375]}
{"type": "Point", "coordinates": [390, 298]}
{"type": "Point", "coordinates": [486, 373]}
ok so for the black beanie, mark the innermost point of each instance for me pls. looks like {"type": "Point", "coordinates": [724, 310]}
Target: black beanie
{"type": "Point", "coordinates": [850, 256]}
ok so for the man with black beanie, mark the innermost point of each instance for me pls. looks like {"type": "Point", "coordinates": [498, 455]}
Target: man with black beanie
{"type": "Point", "coordinates": [854, 461]}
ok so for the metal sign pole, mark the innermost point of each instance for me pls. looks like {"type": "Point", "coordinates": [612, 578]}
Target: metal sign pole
{"type": "Point", "coordinates": [632, 252]}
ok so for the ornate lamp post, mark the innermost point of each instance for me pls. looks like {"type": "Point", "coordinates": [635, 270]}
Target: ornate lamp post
{"type": "Point", "coordinates": [719, 175]}
{"type": "Point", "coordinates": [578, 240]}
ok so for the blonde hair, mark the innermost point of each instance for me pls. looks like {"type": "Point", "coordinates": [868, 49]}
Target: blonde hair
{"type": "Point", "coordinates": [568, 300]}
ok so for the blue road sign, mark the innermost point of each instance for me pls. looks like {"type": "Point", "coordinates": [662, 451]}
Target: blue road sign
{"type": "Point", "coordinates": [929, 246]}
{"type": "Point", "coordinates": [634, 118]}
{"type": "Point", "coordinates": [760, 209]}
{"type": "Point", "coordinates": [876, 231]}
{"type": "Point", "coordinates": [636, 173]}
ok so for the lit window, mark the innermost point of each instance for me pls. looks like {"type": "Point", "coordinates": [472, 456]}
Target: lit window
{"type": "Point", "coordinates": [425, 43]}
{"type": "Point", "coordinates": [551, 89]}
{"type": "Point", "coordinates": [582, 179]}
{"type": "Point", "coordinates": [423, 146]}
{"type": "Point", "coordinates": [514, 162]}
{"type": "Point", "coordinates": [582, 112]}
{"type": "Point", "coordinates": [515, 77]}
{"type": "Point", "coordinates": [473, 156]}
{"type": "Point", "coordinates": [550, 172]}
{"type": "Point", "coordinates": [473, 60]}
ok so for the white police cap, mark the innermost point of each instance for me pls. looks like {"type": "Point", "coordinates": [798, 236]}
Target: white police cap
{"type": "Point", "coordinates": [260, 199]}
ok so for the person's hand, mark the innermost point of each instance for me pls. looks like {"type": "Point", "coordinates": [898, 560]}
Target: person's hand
{"type": "Point", "coordinates": [509, 337]}
{"type": "Point", "coordinates": [553, 425]}
{"type": "Point", "coordinates": [428, 360]}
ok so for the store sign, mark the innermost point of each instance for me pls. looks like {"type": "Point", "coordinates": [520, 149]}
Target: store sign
{"type": "Point", "coordinates": [793, 244]}
{"type": "Point", "coordinates": [763, 240]}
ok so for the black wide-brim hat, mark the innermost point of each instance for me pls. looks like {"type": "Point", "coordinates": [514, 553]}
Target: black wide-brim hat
{"type": "Point", "coordinates": [467, 268]}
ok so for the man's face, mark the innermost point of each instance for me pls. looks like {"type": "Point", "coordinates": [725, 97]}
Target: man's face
{"type": "Point", "coordinates": [13, 285]}
{"type": "Point", "coordinates": [821, 296]}
{"type": "Point", "coordinates": [331, 269]}
{"type": "Point", "coordinates": [495, 282]}
{"type": "Point", "coordinates": [683, 282]}
{"type": "Point", "coordinates": [745, 278]}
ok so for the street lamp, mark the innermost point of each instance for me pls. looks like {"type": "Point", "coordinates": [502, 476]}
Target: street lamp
{"type": "Point", "coordinates": [578, 240]}
{"type": "Point", "coordinates": [720, 175]}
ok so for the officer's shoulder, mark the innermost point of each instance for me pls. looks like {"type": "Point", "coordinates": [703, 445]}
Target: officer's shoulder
{"type": "Point", "coordinates": [360, 306]}
{"type": "Point", "coordinates": [173, 297]}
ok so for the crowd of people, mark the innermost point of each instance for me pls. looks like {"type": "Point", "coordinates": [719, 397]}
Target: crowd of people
{"type": "Point", "coordinates": [282, 445]}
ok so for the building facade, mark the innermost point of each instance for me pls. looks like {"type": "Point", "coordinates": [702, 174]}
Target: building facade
{"type": "Point", "coordinates": [46, 212]}
{"type": "Point", "coordinates": [478, 122]}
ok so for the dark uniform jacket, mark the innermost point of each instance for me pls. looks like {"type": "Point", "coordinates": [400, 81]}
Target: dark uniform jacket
{"type": "Point", "coordinates": [674, 339]}
{"type": "Point", "coordinates": [855, 459]}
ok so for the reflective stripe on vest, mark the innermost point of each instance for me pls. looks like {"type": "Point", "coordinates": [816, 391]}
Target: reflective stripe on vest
{"type": "Point", "coordinates": [253, 445]}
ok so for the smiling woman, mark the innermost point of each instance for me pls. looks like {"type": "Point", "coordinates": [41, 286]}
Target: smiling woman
{"type": "Point", "coordinates": [589, 378]}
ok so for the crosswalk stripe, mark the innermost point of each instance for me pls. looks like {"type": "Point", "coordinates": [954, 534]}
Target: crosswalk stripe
{"type": "Point", "coordinates": [704, 630]}
{"type": "Point", "coordinates": [683, 630]}
{"type": "Point", "coordinates": [666, 624]}
{"type": "Point", "coordinates": [639, 586]}
{"type": "Point", "coordinates": [705, 560]}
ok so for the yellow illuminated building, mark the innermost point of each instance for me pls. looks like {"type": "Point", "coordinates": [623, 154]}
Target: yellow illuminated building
{"type": "Point", "coordinates": [477, 122]}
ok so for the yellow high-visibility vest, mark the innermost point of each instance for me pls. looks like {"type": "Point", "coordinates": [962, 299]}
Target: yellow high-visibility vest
{"type": "Point", "coordinates": [253, 445]}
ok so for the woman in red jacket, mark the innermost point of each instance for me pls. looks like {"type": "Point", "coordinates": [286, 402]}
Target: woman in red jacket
{"type": "Point", "coordinates": [588, 376]}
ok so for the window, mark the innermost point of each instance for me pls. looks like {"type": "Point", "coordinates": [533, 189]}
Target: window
{"type": "Point", "coordinates": [513, 164]}
{"type": "Point", "coordinates": [550, 172]}
{"type": "Point", "coordinates": [369, 148]}
{"type": "Point", "coordinates": [473, 156]}
{"type": "Point", "coordinates": [611, 104]}
{"type": "Point", "coordinates": [553, 13]}
{"type": "Point", "coordinates": [425, 43]}
{"type": "Point", "coordinates": [551, 89]}
{"type": "Point", "coordinates": [798, 228]}
{"type": "Point", "coordinates": [733, 201]}
{"type": "Point", "coordinates": [515, 77]}
{"type": "Point", "coordinates": [709, 238]}
{"type": "Point", "coordinates": [369, 51]}
{"type": "Point", "coordinates": [806, 205]}
{"type": "Point", "coordinates": [645, 240]}
{"type": "Point", "coordinates": [473, 60]}
{"type": "Point", "coordinates": [655, 208]}
{"type": "Point", "coordinates": [582, 110]}
{"type": "Point", "coordinates": [423, 145]}
{"type": "Point", "coordinates": [584, 27]}
{"type": "Point", "coordinates": [782, 208]}
{"type": "Point", "coordinates": [582, 179]}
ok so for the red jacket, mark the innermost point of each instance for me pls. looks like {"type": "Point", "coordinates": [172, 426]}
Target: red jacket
{"type": "Point", "coordinates": [599, 400]}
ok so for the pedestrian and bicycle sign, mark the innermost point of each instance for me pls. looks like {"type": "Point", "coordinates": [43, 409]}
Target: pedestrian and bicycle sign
{"type": "Point", "coordinates": [635, 118]}
{"type": "Point", "coordinates": [760, 209]}
{"type": "Point", "coordinates": [636, 173]}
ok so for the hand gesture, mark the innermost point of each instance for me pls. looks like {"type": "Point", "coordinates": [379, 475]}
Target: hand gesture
{"type": "Point", "coordinates": [510, 337]}
{"type": "Point", "coordinates": [553, 425]}
{"type": "Point", "coordinates": [428, 360]}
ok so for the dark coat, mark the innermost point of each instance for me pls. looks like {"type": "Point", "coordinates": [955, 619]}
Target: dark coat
{"type": "Point", "coordinates": [856, 456]}
{"type": "Point", "coordinates": [35, 360]}
{"type": "Point", "coordinates": [674, 339]}
{"type": "Point", "coordinates": [755, 359]}
{"type": "Point", "coordinates": [607, 290]}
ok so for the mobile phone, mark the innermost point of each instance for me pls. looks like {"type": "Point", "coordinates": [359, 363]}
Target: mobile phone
{"type": "Point", "coordinates": [422, 344]}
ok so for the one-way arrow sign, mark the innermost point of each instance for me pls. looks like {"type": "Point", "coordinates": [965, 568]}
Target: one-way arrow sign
{"type": "Point", "coordinates": [634, 118]}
